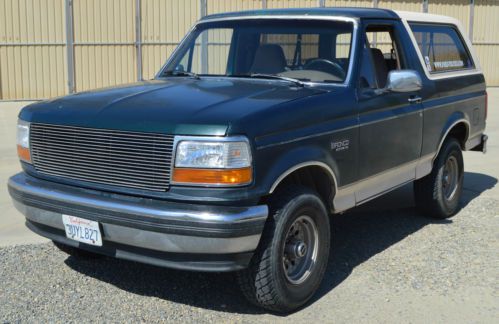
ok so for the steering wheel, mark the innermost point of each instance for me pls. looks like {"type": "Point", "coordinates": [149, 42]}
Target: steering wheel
{"type": "Point", "coordinates": [327, 66]}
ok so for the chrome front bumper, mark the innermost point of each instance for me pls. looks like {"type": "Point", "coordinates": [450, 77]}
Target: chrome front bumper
{"type": "Point", "coordinates": [187, 236]}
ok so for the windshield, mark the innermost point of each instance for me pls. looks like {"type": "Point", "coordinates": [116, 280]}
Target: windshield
{"type": "Point", "coordinates": [304, 50]}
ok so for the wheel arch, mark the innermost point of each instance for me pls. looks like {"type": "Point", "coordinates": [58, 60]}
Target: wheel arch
{"type": "Point", "coordinates": [457, 127]}
{"type": "Point", "coordinates": [316, 175]}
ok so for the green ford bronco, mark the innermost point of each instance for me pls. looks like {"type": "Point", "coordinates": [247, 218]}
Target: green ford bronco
{"type": "Point", "coordinates": [260, 126]}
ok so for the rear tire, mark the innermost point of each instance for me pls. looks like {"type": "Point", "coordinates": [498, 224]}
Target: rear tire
{"type": "Point", "coordinates": [75, 252]}
{"type": "Point", "coordinates": [438, 194]}
{"type": "Point", "coordinates": [292, 256]}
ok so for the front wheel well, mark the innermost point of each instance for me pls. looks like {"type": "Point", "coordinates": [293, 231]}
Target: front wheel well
{"type": "Point", "coordinates": [314, 177]}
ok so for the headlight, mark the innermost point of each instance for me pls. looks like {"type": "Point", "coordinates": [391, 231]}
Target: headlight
{"type": "Point", "coordinates": [23, 141]}
{"type": "Point", "coordinates": [212, 162]}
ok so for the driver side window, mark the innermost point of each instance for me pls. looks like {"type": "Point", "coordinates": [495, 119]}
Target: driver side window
{"type": "Point", "coordinates": [381, 54]}
{"type": "Point", "coordinates": [367, 77]}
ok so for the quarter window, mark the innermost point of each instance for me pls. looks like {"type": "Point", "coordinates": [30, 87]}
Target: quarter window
{"type": "Point", "coordinates": [442, 48]}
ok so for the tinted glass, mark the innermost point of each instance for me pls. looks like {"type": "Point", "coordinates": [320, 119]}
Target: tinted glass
{"type": "Point", "coordinates": [216, 53]}
{"type": "Point", "coordinates": [367, 77]}
{"type": "Point", "coordinates": [381, 54]}
{"type": "Point", "coordinates": [315, 51]}
{"type": "Point", "coordinates": [442, 48]}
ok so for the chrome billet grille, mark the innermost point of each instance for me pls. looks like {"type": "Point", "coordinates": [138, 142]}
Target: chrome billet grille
{"type": "Point", "coordinates": [119, 158]}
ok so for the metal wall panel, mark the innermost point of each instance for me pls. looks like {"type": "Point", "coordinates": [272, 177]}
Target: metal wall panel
{"type": "Point", "coordinates": [486, 22]}
{"type": "Point", "coordinates": [104, 65]}
{"type": "Point", "coordinates": [164, 24]}
{"type": "Point", "coordinates": [153, 58]}
{"type": "Point", "coordinates": [32, 51]}
{"type": "Point", "coordinates": [292, 3]}
{"type": "Point", "coordinates": [406, 5]}
{"type": "Point", "coordinates": [216, 6]}
{"type": "Point", "coordinates": [30, 21]}
{"type": "Point", "coordinates": [349, 3]}
{"type": "Point", "coordinates": [33, 62]}
{"type": "Point", "coordinates": [168, 20]}
{"type": "Point", "coordinates": [488, 54]}
{"type": "Point", "coordinates": [459, 9]}
{"type": "Point", "coordinates": [108, 21]}
{"type": "Point", "coordinates": [104, 35]}
{"type": "Point", "coordinates": [486, 38]}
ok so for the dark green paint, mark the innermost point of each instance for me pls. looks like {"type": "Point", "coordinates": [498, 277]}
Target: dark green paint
{"type": "Point", "coordinates": [286, 125]}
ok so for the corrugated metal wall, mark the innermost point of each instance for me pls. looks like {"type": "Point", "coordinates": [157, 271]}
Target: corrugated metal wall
{"type": "Point", "coordinates": [164, 24]}
{"type": "Point", "coordinates": [486, 37]}
{"type": "Point", "coordinates": [32, 49]}
{"type": "Point", "coordinates": [104, 51]}
{"type": "Point", "coordinates": [119, 41]}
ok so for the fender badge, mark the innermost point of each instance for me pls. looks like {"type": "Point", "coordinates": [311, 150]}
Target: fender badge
{"type": "Point", "coordinates": [340, 146]}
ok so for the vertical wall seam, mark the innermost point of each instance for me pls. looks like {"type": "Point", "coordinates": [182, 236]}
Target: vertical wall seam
{"type": "Point", "coordinates": [204, 7]}
{"type": "Point", "coordinates": [138, 38]}
{"type": "Point", "coordinates": [472, 18]}
{"type": "Point", "coordinates": [70, 45]}
{"type": "Point", "coordinates": [204, 40]}
{"type": "Point", "coordinates": [425, 6]}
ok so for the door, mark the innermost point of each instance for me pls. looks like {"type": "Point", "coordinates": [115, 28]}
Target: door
{"type": "Point", "coordinates": [391, 123]}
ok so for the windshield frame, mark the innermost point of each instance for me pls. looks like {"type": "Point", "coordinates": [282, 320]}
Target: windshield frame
{"type": "Point", "coordinates": [353, 45]}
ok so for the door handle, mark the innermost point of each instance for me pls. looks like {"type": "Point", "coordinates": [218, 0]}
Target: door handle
{"type": "Point", "coordinates": [415, 99]}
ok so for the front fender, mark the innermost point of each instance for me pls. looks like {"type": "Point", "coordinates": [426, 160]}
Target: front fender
{"type": "Point", "coordinates": [292, 160]}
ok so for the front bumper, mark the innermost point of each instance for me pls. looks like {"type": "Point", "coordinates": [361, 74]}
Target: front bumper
{"type": "Point", "coordinates": [183, 236]}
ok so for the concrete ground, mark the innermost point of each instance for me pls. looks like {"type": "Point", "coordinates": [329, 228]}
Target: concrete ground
{"type": "Point", "coordinates": [12, 229]}
{"type": "Point", "coordinates": [388, 264]}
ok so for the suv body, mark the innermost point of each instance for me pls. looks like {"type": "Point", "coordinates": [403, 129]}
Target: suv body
{"type": "Point", "coordinates": [260, 122]}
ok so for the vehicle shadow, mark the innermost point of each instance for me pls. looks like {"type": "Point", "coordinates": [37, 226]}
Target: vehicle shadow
{"type": "Point", "coordinates": [371, 228]}
{"type": "Point", "coordinates": [356, 236]}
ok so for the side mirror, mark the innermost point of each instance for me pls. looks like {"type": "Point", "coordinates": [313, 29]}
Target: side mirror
{"type": "Point", "coordinates": [403, 81]}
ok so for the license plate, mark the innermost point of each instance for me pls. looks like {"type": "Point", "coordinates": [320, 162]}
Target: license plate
{"type": "Point", "coordinates": [82, 230]}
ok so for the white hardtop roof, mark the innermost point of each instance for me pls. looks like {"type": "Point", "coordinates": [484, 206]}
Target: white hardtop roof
{"type": "Point", "coordinates": [409, 16]}
{"type": "Point", "coordinates": [426, 17]}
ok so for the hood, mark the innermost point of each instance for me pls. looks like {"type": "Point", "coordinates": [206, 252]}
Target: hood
{"type": "Point", "coordinates": [174, 106]}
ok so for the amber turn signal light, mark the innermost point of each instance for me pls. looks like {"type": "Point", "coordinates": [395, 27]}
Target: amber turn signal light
{"type": "Point", "coordinates": [23, 154]}
{"type": "Point", "coordinates": [212, 176]}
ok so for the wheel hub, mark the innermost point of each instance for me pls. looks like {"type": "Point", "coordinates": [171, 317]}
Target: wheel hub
{"type": "Point", "coordinates": [300, 249]}
{"type": "Point", "coordinates": [296, 249]}
{"type": "Point", "coordinates": [450, 178]}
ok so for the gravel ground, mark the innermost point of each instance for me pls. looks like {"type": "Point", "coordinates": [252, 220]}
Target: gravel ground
{"type": "Point", "coordinates": [386, 266]}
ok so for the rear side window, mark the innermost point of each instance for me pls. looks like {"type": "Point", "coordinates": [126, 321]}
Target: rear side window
{"type": "Point", "coordinates": [442, 48]}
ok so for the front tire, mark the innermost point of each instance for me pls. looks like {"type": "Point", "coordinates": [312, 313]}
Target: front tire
{"type": "Point", "coordinates": [292, 256]}
{"type": "Point", "coordinates": [438, 194]}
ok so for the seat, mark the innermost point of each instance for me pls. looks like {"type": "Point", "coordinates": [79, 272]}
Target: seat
{"type": "Point", "coordinates": [379, 66]}
{"type": "Point", "coordinates": [269, 59]}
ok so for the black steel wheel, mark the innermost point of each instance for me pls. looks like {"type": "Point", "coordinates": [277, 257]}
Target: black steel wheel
{"type": "Point", "coordinates": [300, 250]}
{"type": "Point", "coordinates": [291, 259]}
{"type": "Point", "coordinates": [438, 194]}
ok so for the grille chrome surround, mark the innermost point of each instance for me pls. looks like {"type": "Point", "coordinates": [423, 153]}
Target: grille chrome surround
{"type": "Point", "coordinates": [110, 157]}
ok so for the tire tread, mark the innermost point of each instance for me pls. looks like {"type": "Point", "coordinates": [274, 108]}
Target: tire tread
{"type": "Point", "coordinates": [256, 282]}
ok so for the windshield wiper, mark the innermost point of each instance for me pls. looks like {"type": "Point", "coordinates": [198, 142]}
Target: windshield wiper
{"type": "Point", "coordinates": [271, 76]}
{"type": "Point", "coordinates": [182, 73]}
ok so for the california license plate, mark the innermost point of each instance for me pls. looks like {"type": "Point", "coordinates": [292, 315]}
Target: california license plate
{"type": "Point", "coordinates": [82, 230]}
